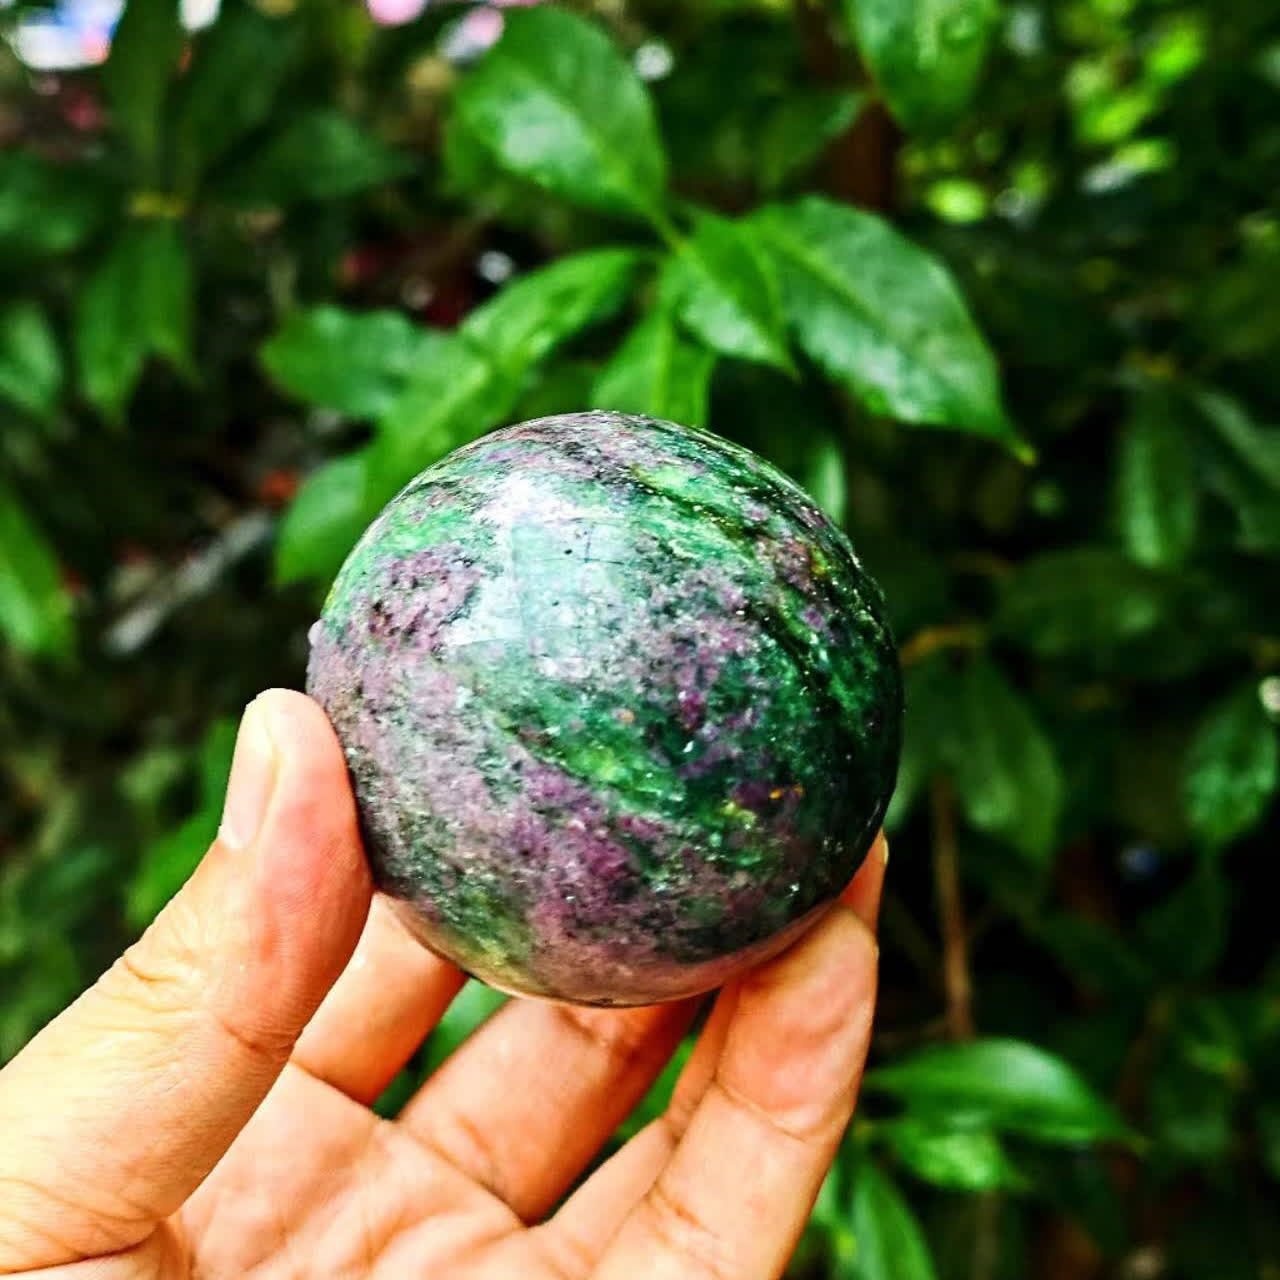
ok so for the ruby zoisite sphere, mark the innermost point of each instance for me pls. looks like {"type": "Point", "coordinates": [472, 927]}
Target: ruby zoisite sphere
{"type": "Point", "coordinates": [620, 706]}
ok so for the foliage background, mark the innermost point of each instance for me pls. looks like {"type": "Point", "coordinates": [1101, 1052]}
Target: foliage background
{"type": "Point", "coordinates": [252, 281]}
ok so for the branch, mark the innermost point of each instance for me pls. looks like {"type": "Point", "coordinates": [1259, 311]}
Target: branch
{"type": "Point", "coordinates": [955, 939]}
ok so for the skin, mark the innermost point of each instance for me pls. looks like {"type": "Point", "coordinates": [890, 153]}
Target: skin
{"type": "Point", "coordinates": [203, 1110]}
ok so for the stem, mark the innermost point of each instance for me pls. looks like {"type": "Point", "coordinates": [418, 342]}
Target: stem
{"type": "Point", "coordinates": [986, 1235]}
{"type": "Point", "coordinates": [955, 941]}
{"type": "Point", "coordinates": [667, 230]}
{"type": "Point", "coordinates": [959, 635]}
{"type": "Point", "coordinates": [908, 937]}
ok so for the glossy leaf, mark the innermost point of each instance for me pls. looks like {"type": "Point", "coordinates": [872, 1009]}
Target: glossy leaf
{"type": "Point", "coordinates": [1157, 493]}
{"type": "Point", "coordinates": [537, 312]}
{"type": "Point", "coordinates": [138, 303]}
{"type": "Point", "coordinates": [1244, 469]}
{"type": "Point", "coordinates": [45, 209]}
{"type": "Point", "coordinates": [1085, 601]}
{"type": "Point", "coordinates": [168, 861]}
{"type": "Point", "coordinates": [958, 1159]}
{"type": "Point", "coordinates": [451, 399]}
{"type": "Point", "coordinates": [30, 359]}
{"type": "Point", "coordinates": [1099, 958]}
{"type": "Point", "coordinates": [321, 155]}
{"type": "Point", "coordinates": [1006, 776]}
{"type": "Point", "coordinates": [882, 316]}
{"type": "Point", "coordinates": [1255, 447]}
{"type": "Point", "coordinates": [1006, 1085]}
{"type": "Point", "coordinates": [824, 479]}
{"type": "Point", "coordinates": [800, 128]}
{"type": "Point", "coordinates": [1190, 1112]}
{"type": "Point", "coordinates": [1185, 935]}
{"type": "Point", "coordinates": [143, 59]}
{"type": "Point", "coordinates": [563, 387]}
{"type": "Point", "coordinates": [657, 372]}
{"type": "Point", "coordinates": [890, 1243]}
{"type": "Point", "coordinates": [1232, 768]}
{"type": "Point", "coordinates": [926, 55]}
{"type": "Point", "coordinates": [355, 362]}
{"type": "Point", "coordinates": [235, 75]}
{"type": "Point", "coordinates": [325, 521]}
{"type": "Point", "coordinates": [35, 610]}
{"type": "Point", "coordinates": [470, 168]}
{"type": "Point", "coordinates": [722, 286]}
{"type": "Point", "coordinates": [558, 105]}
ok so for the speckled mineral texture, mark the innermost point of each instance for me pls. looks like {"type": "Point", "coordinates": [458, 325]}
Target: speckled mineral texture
{"type": "Point", "coordinates": [620, 706]}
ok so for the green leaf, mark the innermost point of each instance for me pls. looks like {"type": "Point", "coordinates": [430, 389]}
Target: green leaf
{"type": "Point", "coordinates": [1190, 1112]}
{"type": "Point", "coordinates": [137, 303]}
{"type": "Point", "coordinates": [722, 286]}
{"type": "Point", "coordinates": [144, 55]}
{"type": "Point", "coordinates": [168, 861]}
{"type": "Point", "coordinates": [913, 775]}
{"type": "Point", "coordinates": [30, 359]}
{"type": "Point", "coordinates": [1099, 958]}
{"type": "Point", "coordinates": [1232, 769]}
{"type": "Point", "coordinates": [959, 1159]}
{"type": "Point", "coordinates": [1157, 494]}
{"type": "Point", "coordinates": [35, 610]}
{"type": "Point", "coordinates": [564, 387]}
{"type": "Point", "coordinates": [451, 399]}
{"type": "Point", "coordinates": [1185, 935]}
{"type": "Point", "coordinates": [235, 75]}
{"type": "Point", "coordinates": [882, 316]}
{"type": "Point", "coordinates": [355, 362]}
{"type": "Point", "coordinates": [471, 380]}
{"type": "Point", "coordinates": [926, 55]}
{"type": "Point", "coordinates": [325, 521]}
{"type": "Point", "coordinates": [929, 688]}
{"type": "Point", "coordinates": [823, 477]}
{"type": "Point", "coordinates": [1268, 1120]}
{"type": "Point", "coordinates": [536, 313]}
{"type": "Point", "coordinates": [321, 155]}
{"type": "Point", "coordinates": [470, 168]}
{"type": "Point", "coordinates": [1254, 447]}
{"type": "Point", "coordinates": [1244, 468]}
{"type": "Point", "coordinates": [890, 1241]}
{"type": "Point", "coordinates": [1006, 776]}
{"type": "Point", "coordinates": [799, 129]}
{"type": "Point", "coordinates": [657, 372]}
{"type": "Point", "coordinates": [558, 105]}
{"type": "Point", "coordinates": [45, 210]}
{"type": "Point", "coordinates": [1006, 1085]}
{"type": "Point", "coordinates": [1085, 601]}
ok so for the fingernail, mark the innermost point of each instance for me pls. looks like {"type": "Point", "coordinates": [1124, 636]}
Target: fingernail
{"type": "Point", "coordinates": [253, 777]}
{"type": "Point", "coordinates": [884, 850]}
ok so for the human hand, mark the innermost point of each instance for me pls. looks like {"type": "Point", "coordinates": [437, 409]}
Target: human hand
{"type": "Point", "coordinates": [204, 1109]}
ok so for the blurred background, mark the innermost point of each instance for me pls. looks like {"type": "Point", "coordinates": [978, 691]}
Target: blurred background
{"type": "Point", "coordinates": [1000, 283]}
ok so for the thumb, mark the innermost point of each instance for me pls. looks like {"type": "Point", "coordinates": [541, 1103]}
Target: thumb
{"type": "Point", "coordinates": [116, 1112]}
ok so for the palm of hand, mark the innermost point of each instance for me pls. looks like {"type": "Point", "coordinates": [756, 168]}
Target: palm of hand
{"type": "Point", "coordinates": [318, 1185]}
{"type": "Point", "coordinates": [203, 1112]}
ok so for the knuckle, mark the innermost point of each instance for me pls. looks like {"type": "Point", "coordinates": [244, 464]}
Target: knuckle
{"type": "Point", "coordinates": [619, 1037]}
{"type": "Point", "coordinates": [168, 976]}
{"type": "Point", "coordinates": [805, 1122]}
{"type": "Point", "coordinates": [704, 1254]}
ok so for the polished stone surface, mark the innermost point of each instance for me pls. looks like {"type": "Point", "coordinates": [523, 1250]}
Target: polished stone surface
{"type": "Point", "coordinates": [621, 707]}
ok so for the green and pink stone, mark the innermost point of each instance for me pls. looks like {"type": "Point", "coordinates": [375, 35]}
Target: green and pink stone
{"type": "Point", "coordinates": [621, 708]}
